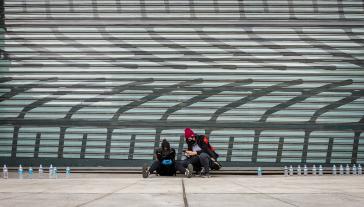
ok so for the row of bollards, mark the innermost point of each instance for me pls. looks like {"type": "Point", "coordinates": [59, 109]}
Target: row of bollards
{"type": "Point", "coordinates": [314, 171]}
{"type": "Point", "coordinates": [52, 172]}
{"type": "Point", "coordinates": [354, 170]}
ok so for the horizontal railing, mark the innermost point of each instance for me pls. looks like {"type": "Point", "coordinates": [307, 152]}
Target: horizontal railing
{"type": "Point", "coordinates": [101, 82]}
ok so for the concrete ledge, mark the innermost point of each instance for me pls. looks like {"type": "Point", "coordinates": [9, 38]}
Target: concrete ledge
{"type": "Point", "coordinates": [137, 170]}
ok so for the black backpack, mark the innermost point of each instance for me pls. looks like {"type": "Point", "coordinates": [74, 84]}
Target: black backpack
{"type": "Point", "coordinates": [167, 170]}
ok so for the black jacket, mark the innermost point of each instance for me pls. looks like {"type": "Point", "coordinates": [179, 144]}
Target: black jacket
{"type": "Point", "coordinates": [205, 146]}
{"type": "Point", "coordinates": [165, 155]}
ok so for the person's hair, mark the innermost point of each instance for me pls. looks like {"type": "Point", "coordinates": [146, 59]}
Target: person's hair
{"type": "Point", "coordinates": [165, 145]}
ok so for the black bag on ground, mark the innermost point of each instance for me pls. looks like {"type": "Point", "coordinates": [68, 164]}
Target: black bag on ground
{"type": "Point", "coordinates": [215, 165]}
{"type": "Point", "coordinates": [167, 169]}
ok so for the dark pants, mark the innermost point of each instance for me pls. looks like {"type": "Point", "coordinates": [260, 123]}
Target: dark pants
{"type": "Point", "coordinates": [157, 166]}
{"type": "Point", "coordinates": [201, 160]}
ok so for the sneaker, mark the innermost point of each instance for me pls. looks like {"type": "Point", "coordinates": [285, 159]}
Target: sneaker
{"type": "Point", "coordinates": [189, 170]}
{"type": "Point", "coordinates": [145, 171]}
{"type": "Point", "coordinates": [203, 174]}
{"type": "Point", "coordinates": [206, 175]}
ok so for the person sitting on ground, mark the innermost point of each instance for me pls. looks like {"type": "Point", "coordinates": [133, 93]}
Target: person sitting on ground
{"type": "Point", "coordinates": [200, 153]}
{"type": "Point", "coordinates": [165, 165]}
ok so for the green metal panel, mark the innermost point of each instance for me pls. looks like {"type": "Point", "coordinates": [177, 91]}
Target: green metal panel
{"type": "Point", "coordinates": [101, 82]}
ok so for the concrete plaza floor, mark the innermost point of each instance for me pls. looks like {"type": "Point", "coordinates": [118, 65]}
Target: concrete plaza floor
{"type": "Point", "coordinates": [220, 190]}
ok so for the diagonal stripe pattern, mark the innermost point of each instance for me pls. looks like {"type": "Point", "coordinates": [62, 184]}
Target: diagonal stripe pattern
{"type": "Point", "coordinates": [102, 81]}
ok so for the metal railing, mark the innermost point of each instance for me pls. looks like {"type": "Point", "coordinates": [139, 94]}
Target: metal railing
{"type": "Point", "coordinates": [101, 82]}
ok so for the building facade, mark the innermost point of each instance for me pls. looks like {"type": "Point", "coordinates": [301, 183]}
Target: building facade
{"type": "Point", "coordinates": [102, 82]}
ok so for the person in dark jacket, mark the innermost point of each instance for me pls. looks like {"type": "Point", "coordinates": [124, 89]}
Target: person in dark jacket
{"type": "Point", "coordinates": [165, 165]}
{"type": "Point", "coordinates": [200, 153]}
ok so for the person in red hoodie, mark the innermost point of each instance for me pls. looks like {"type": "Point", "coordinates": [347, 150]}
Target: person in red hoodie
{"type": "Point", "coordinates": [200, 153]}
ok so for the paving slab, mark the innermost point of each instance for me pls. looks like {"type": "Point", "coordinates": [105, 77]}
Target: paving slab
{"type": "Point", "coordinates": [158, 185]}
{"type": "Point", "coordinates": [309, 200]}
{"type": "Point", "coordinates": [215, 185]}
{"type": "Point", "coordinates": [45, 199]}
{"type": "Point", "coordinates": [220, 190]}
{"type": "Point", "coordinates": [139, 199]}
{"type": "Point", "coordinates": [227, 200]}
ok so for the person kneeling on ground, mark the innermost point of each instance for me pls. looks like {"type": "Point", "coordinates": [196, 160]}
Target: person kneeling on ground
{"type": "Point", "coordinates": [200, 153]}
{"type": "Point", "coordinates": [165, 165]}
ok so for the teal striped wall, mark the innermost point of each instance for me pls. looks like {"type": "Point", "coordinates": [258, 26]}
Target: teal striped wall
{"type": "Point", "coordinates": [101, 82]}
